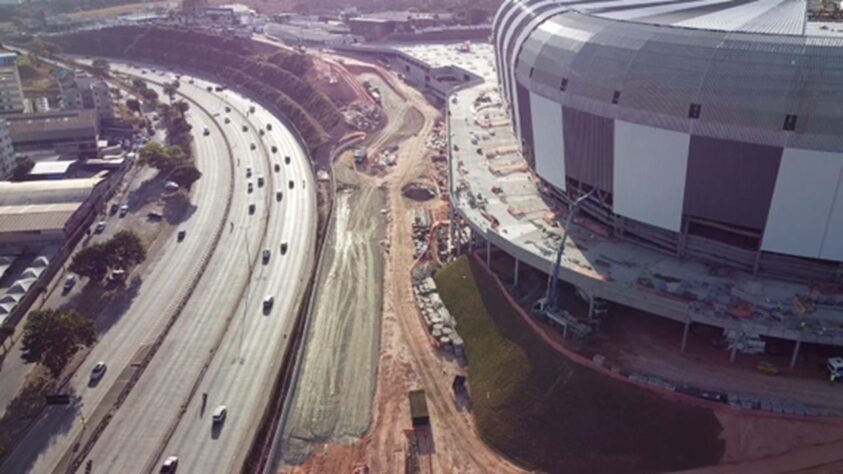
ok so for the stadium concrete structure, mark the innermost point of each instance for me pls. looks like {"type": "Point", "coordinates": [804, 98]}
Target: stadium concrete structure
{"type": "Point", "coordinates": [709, 129]}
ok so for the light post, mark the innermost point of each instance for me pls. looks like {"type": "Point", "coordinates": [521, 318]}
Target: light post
{"type": "Point", "coordinates": [553, 276]}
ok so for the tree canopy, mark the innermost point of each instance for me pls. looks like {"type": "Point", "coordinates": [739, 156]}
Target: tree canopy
{"type": "Point", "coordinates": [23, 165]}
{"type": "Point", "coordinates": [50, 338]}
{"type": "Point", "coordinates": [122, 251]}
{"type": "Point", "coordinates": [133, 105]}
{"type": "Point", "coordinates": [149, 94]}
{"type": "Point", "coordinates": [162, 158]}
{"type": "Point", "coordinates": [185, 176]}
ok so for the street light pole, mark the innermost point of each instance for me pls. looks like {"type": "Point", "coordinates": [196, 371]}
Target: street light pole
{"type": "Point", "coordinates": [553, 275]}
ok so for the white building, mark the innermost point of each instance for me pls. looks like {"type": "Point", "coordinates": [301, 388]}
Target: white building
{"type": "Point", "coordinates": [11, 93]}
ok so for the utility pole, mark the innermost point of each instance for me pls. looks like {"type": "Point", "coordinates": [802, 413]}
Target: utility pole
{"type": "Point", "coordinates": [553, 276]}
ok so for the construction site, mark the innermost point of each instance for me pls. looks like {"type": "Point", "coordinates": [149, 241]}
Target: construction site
{"type": "Point", "coordinates": [739, 352]}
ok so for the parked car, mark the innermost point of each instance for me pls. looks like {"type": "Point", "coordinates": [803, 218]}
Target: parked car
{"type": "Point", "coordinates": [98, 371]}
{"type": "Point", "coordinates": [114, 208]}
{"type": "Point", "coordinates": [170, 465]}
{"type": "Point", "coordinates": [124, 209]}
{"type": "Point", "coordinates": [100, 227]}
{"type": "Point", "coordinates": [181, 235]}
{"type": "Point", "coordinates": [69, 283]}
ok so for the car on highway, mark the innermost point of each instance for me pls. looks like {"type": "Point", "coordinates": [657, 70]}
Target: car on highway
{"type": "Point", "coordinates": [265, 255]}
{"type": "Point", "coordinates": [287, 159]}
{"type": "Point", "coordinates": [248, 171]}
{"type": "Point", "coordinates": [170, 465]}
{"type": "Point", "coordinates": [227, 109]}
{"type": "Point", "coordinates": [251, 109]}
{"type": "Point", "coordinates": [245, 128]}
{"type": "Point", "coordinates": [209, 89]}
{"type": "Point", "coordinates": [283, 248]}
{"type": "Point", "coordinates": [249, 187]}
{"type": "Point", "coordinates": [206, 132]}
{"type": "Point", "coordinates": [274, 149]}
{"type": "Point", "coordinates": [262, 133]}
{"type": "Point", "coordinates": [277, 167]}
{"type": "Point", "coordinates": [253, 146]}
{"type": "Point", "coordinates": [124, 209]}
{"type": "Point", "coordinates": [292, 184]}
{"type": "Point", "coordinates": [279, 195]}
{"type": "Point", "coordinates": [69, 283]}
{"type": "Point", "coordinates": [98, 371]}
{"type": "Point", "coordinates": [260, 180]}
{"type": "Point", "coordinates": [181, 235]}
{"type": "Point", "coordinates": [269, 127]}
{"type": "Point", "coordinates": [251, 208]}
{"type": "Point", "coordinates": [227, 120]}
{"type": "Point", "coordinates": [267, 302]}
{"type": "Point", "coordinates": [100, 227]}
{"type": "Point", "coordinates": [219, 415]}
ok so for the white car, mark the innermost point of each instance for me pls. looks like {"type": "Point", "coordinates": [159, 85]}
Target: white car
{"type": "Point", "coordinates": [170, 465]}
{"type": "Point", "coordinates": [219, 414]}
{"type": "Point", "coordinates": [100, 227]}
{"type": "Point", "coordinates": [267, 302]}
{"type": "Point", "coordinates": [124, 209]}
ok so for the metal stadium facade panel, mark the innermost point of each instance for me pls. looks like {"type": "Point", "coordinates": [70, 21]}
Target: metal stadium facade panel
{"type": "Point", "coordinates": [703, 125]}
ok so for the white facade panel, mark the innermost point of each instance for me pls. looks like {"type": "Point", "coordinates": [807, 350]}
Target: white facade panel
{"type": "Point", "coordinates": [802, 202]}
{"type": "Point", "coordinates": [548, 139]}
{"type": "Point", "coordinates": [650, 165]}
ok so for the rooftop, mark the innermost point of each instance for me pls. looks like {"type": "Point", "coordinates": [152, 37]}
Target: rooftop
{"type": "Point", "coordinates": [26, 126]}
{"type": "Point", "coordinates": [51, 167]}
{"type": "Point", "coordinates": [15, 194]}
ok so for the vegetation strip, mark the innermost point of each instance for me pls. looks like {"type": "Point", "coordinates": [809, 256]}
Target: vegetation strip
{"type": "Point", "coordinates": [545, 412]}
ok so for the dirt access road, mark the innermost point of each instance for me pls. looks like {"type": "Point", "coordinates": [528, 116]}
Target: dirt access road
{"type": "Point", "coordinates": [333, 396]}
{"type": "Point", "coordinates": [407, 359]}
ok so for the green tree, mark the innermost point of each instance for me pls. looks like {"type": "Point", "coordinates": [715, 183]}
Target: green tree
{"type": "Point", "coordinates": [185, 176]}
{"type": "Point", "coordinates": [138, 84]}
{"type": "Point", "coordinates": [23, 165]}
{"type": "Point", "coordinates": [6, 331]}
{"type": "Point", "coordinates": [133, 105]}
{"type": "Point", "coordinates": [91, 262]}
{"type": "Point", "coordinates": [124, 250]}
{"type": "Point", "coordinates": [170, 91]}
{"type": "Point", "coordinates": [164, 159]}
{"type": "Point", "coordinates": [50, 338]}
{"type": "Point", "coordinates": [149, 95]}
{"type": "Point", "coordinates": [101, 66]}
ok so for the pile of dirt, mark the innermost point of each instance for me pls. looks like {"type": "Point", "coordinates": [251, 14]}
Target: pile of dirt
{"type": "Point", "coordinates": [546, 412]}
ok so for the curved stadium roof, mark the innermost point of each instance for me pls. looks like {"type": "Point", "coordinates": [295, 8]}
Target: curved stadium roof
{"type": "Point", "coordinates": [747, 66]}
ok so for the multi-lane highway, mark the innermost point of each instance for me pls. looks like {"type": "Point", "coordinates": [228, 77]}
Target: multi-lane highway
{"type": "Point", "coordinates": [223, 343]}
{"type": "Point", "coordinates": [229, 349]}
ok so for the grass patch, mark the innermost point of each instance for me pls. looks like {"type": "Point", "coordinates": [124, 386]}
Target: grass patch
{"type": "Point", "coordinates": [545, 412]}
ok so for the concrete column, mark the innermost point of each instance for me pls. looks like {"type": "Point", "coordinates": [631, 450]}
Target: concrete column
{"type": "Point", "coordinates": [795, 353]}
{"type": "Point", "coordinates": [515, 272]}
{"type": "Point", "coordinates": [733, 354]}
{"type": "Point", "coordinates": [685, 335]}
{"type": "Point", "coordinates": [470, 241]}
{"type": "Point", "coordinates": [488, 253]}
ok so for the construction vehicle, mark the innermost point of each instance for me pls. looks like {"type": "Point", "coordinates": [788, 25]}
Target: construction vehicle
{"type": "Point", "coordinates": [546, 307]}
{"type": "Point", "coordinates": [834, 365]}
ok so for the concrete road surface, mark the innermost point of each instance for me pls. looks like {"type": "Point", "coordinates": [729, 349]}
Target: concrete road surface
{"type": "Point", "coordinates": [226, 344]}
{"type": "Point", "coordinates": [162, 287]}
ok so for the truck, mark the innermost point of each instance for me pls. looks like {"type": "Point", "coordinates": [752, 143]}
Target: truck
{"type": "Point", "coordinates": [834, 366]}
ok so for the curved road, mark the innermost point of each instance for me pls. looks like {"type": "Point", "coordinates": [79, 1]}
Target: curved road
{"type": "Point", "coordinates": [225, 345]}
{"type": "Point", "coordinates": [164, 284]}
